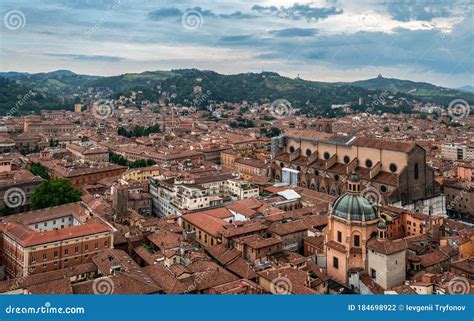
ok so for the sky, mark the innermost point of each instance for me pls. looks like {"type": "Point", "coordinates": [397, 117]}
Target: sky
{"type": "Point", "coordinates": [326, 40]}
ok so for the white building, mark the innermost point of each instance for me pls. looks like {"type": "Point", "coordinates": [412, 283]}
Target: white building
{"type": "Point", "coordinates": [456, 151]}
{"type": "Point", "coordinates": [175, 196]}
{"type": "Point", "coordinates": [386, 262]}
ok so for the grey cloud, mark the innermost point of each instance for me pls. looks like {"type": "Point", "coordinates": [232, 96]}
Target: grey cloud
{"type": "Point", "coordinates": [299, 11]}
{"type": "Point", "coordinates": [87, 57]}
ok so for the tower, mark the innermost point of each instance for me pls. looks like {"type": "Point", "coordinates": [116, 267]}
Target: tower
{"type": "Point", "coordinates": [120, 199]}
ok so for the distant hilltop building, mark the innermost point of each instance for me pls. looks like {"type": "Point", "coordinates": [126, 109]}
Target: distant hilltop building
{"type": "Point", "coordinates": [380, 76]}
{"type": "Point", "coordinates": [78, 108]}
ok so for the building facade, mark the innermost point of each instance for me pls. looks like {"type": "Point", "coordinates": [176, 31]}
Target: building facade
{"type": "Point", "coordinates": [396, 171]}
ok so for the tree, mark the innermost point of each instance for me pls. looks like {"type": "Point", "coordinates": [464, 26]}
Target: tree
{"type": "Point", "coordinates": [39, 170]}
{"type": "Point", "coordinates": [54, 192]}
{"type": "Point", "coordinates": [272, 132]}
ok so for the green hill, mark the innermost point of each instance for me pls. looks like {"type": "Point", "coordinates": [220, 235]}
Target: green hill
{"type": "Point", "coordinates": [421, 90]}
{"type": "Point", "coordinates": [310, 97]}
{"type": "Point", "coordinates": [16, 99]}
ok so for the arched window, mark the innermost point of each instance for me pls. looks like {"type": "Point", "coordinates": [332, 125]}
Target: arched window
{"type": "Point", "coordinates": [308, 152]}
{"type": "Point", "coordinates": [326, 155]}
{"type": "Point", "coordinates": [347, 159]}
{"type": "Point", "coordinates": [292, 149]}
{"type": "Point", "coordinates": [415, 171]}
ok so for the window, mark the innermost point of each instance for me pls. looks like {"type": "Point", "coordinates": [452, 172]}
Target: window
{"type": "Point", "coordinates": [96, 245]}
{"type": "Point", "coordinates": [106, 243]}
{"type": "Point", "coordinates": [335, 262]}
{"type": "Point", "coordinates": [393, 167]}
{"type": "Point", "coordinates": [55, 253]}
{"type": "Point", "coordinates": [383, 188]}
{"type": "Point", "coordinates": [346, 159]}
{"type": "Point", "coordinates": [45, 256]}
{"type": "Point", "coordinates": [326, 155]}
{"type": "Point", "coordinates": [33, 259]}
{"type": "Point", "coordinates": [76, 249]}
{"type": "Point", "coordinates": [339, 236]}
{"type": "Point", "coordinates": [415, 171]}
{"type": "Point", "coordinates": [282, 165]}
{"type": "Point", "coordinates": [308, 152]}
{"type": "Point", "coordinates": [357, 240]}
{"type": "Point", "coordinates": [373, 273]}
{"type": "Point", "coordinates": [86, 247]}
{"type": "Point", "coordinates": [368, 163]}
{"type": "Point", "coordinates": [336, 177]}
{"type": "Point", "coordinates": [292, 149]}
{"type": "Point", "coordinates": [66, 251]}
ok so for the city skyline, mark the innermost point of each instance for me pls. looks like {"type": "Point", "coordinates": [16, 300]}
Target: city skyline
{"type": "Point", "coordinates": [318, 40]}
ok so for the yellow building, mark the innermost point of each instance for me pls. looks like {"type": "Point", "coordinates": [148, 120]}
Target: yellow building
{"type": "Point", "coordinates": [141, 174]}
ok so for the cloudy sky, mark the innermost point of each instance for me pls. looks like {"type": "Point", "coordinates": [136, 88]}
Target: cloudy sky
{"type": "Point", "coordinates": [327, 40]}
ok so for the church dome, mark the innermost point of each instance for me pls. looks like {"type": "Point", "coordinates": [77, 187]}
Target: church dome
{"type": "Point", "coordinates": [354, 207]}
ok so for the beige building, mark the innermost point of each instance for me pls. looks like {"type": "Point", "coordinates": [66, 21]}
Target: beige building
{"type": "Point", "coordinates": [322, 161]}
{"type": "Point", "coordinates": [352, 222]}
{"type": "Point", "coordinates": [89, 152]}
{"type": "Point", "coordinates": [34, 124]}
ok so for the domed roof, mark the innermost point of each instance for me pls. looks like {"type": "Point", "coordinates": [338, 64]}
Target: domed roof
{"type": "Point", "coordinates": [354, 207]}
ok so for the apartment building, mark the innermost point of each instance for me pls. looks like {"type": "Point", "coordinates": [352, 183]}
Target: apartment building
{"type": "Point", "coordinates": [51, 239]}
{"type": "Point", "coordinates": [456, 151]}
{"type": "Point", "coordinates": [177, 196]}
